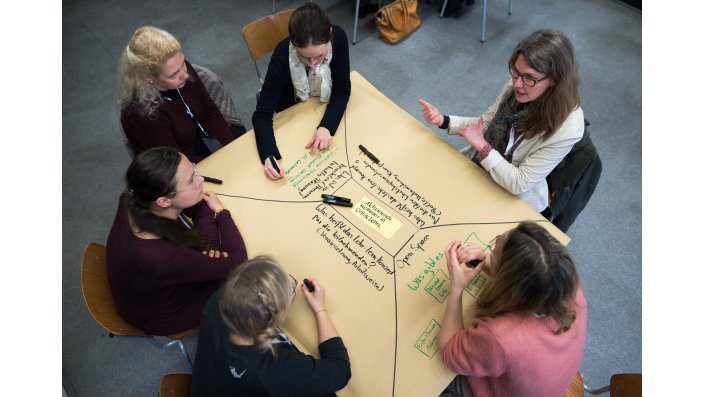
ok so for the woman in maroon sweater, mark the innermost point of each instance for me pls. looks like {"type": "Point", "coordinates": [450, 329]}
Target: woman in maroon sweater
{"type": "Point", "coordinates": [161, 267]}
{"type": "Point", "coordinates": [156, 84]}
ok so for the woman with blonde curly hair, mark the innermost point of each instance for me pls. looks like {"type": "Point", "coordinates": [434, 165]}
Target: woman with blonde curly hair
{"type": "Point", "coordinates": [241, 350]}
{"type": "Point", "coordinates": [528, 335]}
{"type": "Point", "coordinates": [162, 100]}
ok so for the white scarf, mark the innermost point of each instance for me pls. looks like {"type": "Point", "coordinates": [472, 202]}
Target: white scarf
{"type": "Point", "coordinates": [317, 82]}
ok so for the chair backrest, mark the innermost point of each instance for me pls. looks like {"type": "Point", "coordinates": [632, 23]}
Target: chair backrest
{"type": "Point", "coordinates": [263, 35]}
{"type": "Point", "coordinates": [573, 182]}
{"type": "Point", "coordinates": [216, 90]}
{"type": "Point", "coordinates": [97, 293]}
{"type": "Point", "coordinates": [175, 385]}
{"type": "Point", "coordinates": [625, 385]}
{"type": "Point", "coordinates": [576, 387]}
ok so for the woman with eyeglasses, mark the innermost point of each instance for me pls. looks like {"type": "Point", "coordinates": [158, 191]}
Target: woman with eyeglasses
{"type": "Point", "coordinates": [312, 62]}
{"type": "Point", "coordinates": [164, 102]}
{"type": "Point", "coordinates": [530, 318]}
{"type": "Point", "coordinates": [163, 267]}
{"type": "Point", "coordinates": [534, 122]}
{"type": "Point", "coordinates": [242, 351]}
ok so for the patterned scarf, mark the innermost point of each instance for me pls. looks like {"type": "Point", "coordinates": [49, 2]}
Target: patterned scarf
{"type": "Point", "coordinates": [508, 115]}
{"type": "Point", "coordinates": [317, 82]}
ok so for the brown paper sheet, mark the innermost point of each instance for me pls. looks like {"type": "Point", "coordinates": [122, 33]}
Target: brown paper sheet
{"type": "Point", "coordinates": [381, 261]}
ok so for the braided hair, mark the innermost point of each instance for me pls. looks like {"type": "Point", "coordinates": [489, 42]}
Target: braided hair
{"type": "Point", "coordinates": [255, 299]}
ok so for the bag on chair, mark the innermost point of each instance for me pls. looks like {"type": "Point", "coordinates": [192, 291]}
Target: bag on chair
{"type": "Point", "coordinates": [397, 20]}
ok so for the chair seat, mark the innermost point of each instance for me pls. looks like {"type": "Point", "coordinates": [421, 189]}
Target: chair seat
{"type": "Point", "coordinates": [175, 385]}
{"type": "Point", "coordinates": [576, 387]}
{"type": "Point", "coordinates": [625, 385]}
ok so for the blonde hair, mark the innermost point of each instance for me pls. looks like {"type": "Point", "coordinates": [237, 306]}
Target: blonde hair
{"type": "Point", "coordinates": [533, 273]}
{"type": "Point", "coordinates": [144, 55]}
{"type": "Point", "coordinates": [254, 300]}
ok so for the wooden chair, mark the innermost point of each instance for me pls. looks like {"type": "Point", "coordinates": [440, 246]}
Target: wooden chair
{"type": "Point", "coordinates": [576, 387]}
{"type": "Point", "coordinates": [175, 385]}
{"type": "Point", "coordinates": [99, 300]}
{"type": "Point", "coordinates": [625, 385]}
{"type": "Point", "coordinates": [262, 35]}
{"type": "Point", "coordinates": [621, 385]}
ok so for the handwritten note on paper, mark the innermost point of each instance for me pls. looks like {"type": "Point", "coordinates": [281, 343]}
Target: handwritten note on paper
{"type": "Point", "coordinates": [377, 217]}
{"type": "Point", "coordinates": [476, 286]}
{"type": "Point", "coordinates": [395, 192]}
{"type": "Point", "coordinates": [427, 343]}
{"type": "Point", "coordinates": [355, 250]}
{"type": "Point", "coordinates": [319, 173]}
{"type": "Point", "coordinates": [439, 286]}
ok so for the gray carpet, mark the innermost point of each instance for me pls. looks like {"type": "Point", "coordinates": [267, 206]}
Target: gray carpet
{"type": "Point", "coordinates": [443, 62]}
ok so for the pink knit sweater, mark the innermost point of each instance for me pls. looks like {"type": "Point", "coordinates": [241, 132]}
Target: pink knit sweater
{"type": "Point", "coordinates": [517, 354]}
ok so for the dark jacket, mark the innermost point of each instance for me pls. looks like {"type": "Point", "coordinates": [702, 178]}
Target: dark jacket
{"type": "Point", "coordinates": [224, 369]}
{"type": "Point", "coordinates": [572, 182]}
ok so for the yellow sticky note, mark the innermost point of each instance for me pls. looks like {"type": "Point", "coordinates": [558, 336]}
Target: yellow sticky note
{"type": "Point", "coordinates": [377, 217]}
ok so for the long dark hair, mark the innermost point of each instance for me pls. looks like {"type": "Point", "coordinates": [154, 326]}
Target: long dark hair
{"type": "Point", "coordinates": [309, 24]}
{"type": "Point", "coordinates": [533, 273]}
{"type": "Point", "coordinates": [549, 51]}
{"type": "Point", "coordinates": [152, 174]}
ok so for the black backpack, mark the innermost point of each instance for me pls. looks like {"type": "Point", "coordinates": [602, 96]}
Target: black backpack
{"type": "Point", "coordinates": [572, 182]}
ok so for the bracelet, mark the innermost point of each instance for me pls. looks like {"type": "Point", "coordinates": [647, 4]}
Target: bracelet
{"type": "Point", "coordinates": [319, 312]}
{"type": "Point", "coordinates": [216, 213]}
{"type": "Point", "coordinates": [484, 152]}
{"type": "Point", "coordinates": [446, 123]}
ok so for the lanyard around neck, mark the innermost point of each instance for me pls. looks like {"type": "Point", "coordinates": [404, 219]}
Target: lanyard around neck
{"type": "Point", "coordinates": [190, 113]}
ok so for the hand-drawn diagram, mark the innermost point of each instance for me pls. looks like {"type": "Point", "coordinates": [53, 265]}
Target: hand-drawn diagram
{"type": "Point", "coordinates": [381, 260]}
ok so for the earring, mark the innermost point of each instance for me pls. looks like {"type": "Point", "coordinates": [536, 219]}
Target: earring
{"type": "Point", "coordinates": [151, 82]}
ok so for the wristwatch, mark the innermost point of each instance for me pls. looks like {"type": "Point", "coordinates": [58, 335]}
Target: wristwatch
{"type": "Point", "coordinates": [446, 123]}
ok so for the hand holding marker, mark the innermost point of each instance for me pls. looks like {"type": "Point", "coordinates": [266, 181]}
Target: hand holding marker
{"type": "Point", "coordinates": [309, 285]}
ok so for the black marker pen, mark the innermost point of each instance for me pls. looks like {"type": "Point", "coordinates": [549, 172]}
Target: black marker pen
{"type": "Point", "coordinates": [212, 180]}
{"type": "Point", "coordinates": [473, 263]}
{"type": "Point", "coordinates": [337, 202]}
{"type": "Point", "coordinates": [370, 155]}
{"type": "Point", "coordinates": [308, 285]}
{"type": "Point", "coordinates": [273, 161]}
{"type": "Point", "coordinates": [337, 198]}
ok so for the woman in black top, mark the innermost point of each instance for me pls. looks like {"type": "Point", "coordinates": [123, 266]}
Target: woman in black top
{"type": "Point", "coordinates": [242, 352]}
{"type": "Point", "coordinates": [313, 61]}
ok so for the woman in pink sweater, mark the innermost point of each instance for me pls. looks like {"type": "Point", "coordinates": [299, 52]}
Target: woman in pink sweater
{"type": "Point", "coordinates": [530, 320]}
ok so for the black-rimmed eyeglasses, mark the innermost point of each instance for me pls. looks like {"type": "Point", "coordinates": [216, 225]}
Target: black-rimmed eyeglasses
{"type": "Point", "coordinates": [527, 80]}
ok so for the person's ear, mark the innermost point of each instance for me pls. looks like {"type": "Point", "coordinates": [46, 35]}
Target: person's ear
{"type": "Point", "coordinates": [163, 202]}
{"type": "Point", "coordinates": [148, 79]}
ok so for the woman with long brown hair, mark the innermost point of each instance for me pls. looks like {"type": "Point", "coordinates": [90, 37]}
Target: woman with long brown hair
{"type": "Point", "coordinates": [530, 320]}
{"type": "Point", "coordinates": [534, 122]}
{"type": "Point", "coordinates": [162, 266]}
